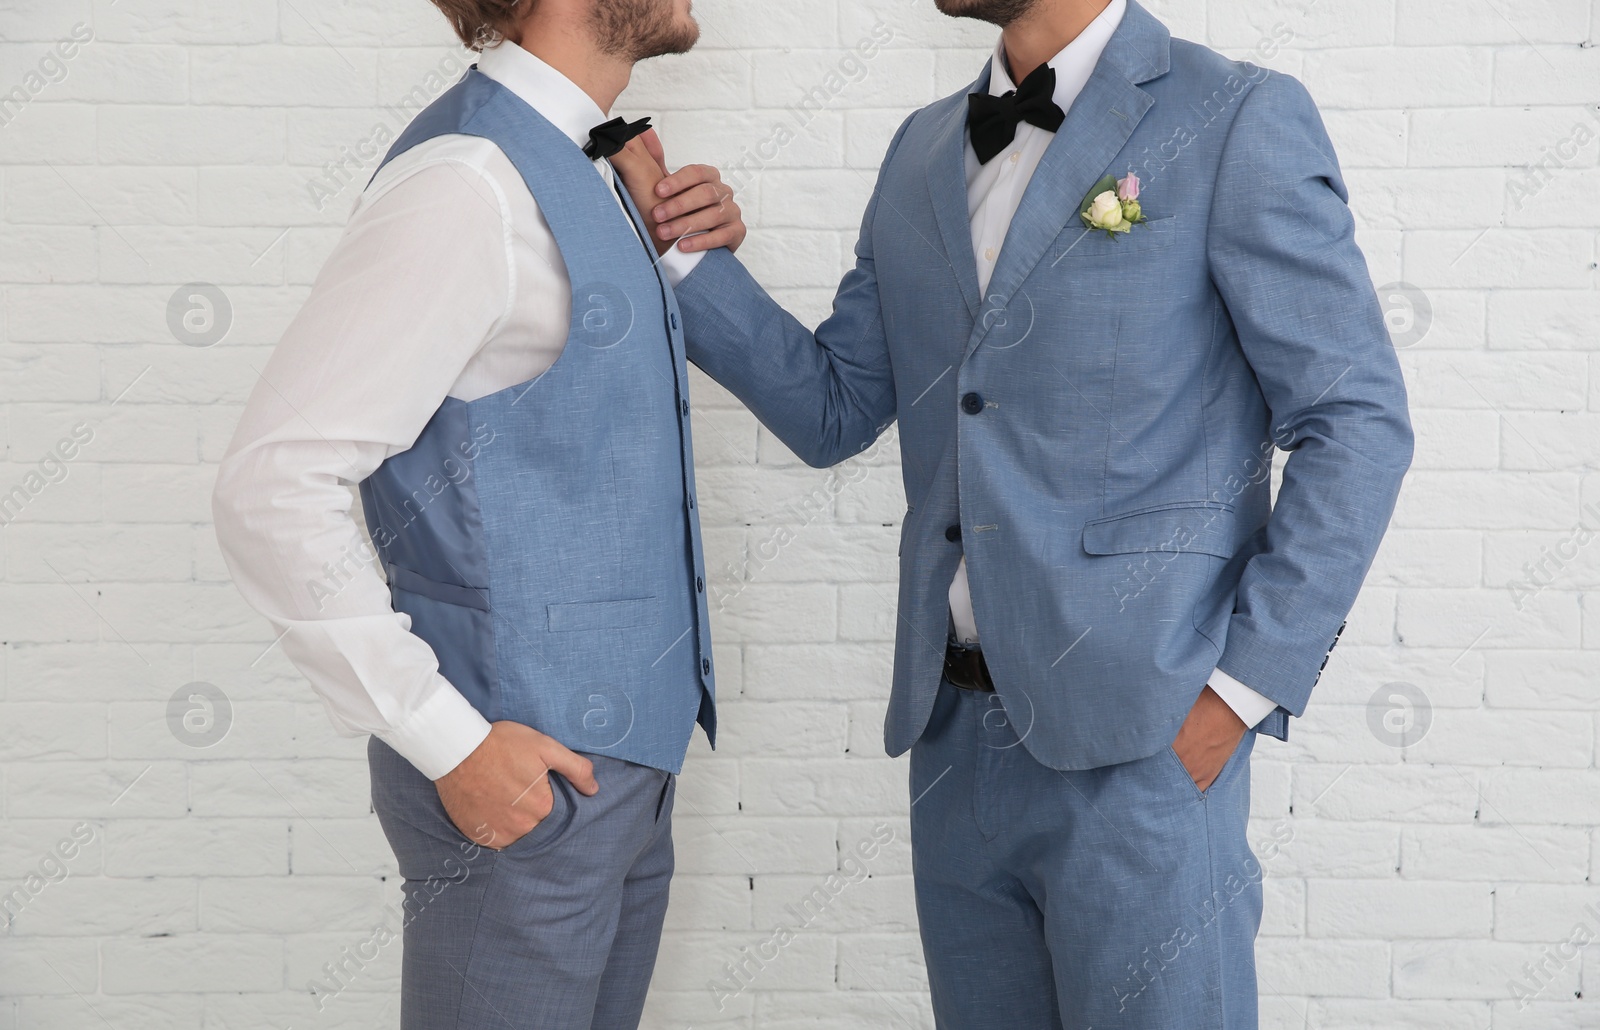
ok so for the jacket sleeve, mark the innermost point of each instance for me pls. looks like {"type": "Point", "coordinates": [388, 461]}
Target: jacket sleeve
{"type": "Point", "coordinates": [1283, 255]}
{"type": "Point", "coordinates": [827, 395]}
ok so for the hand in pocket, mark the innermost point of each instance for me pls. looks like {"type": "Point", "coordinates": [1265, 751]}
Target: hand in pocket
{"type": "Point", "coordinates": [1208, 738]}
{"type": "Point", "coordinates": [502, 790]}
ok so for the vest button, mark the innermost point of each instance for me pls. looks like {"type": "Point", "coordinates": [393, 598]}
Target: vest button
{"type": "Point", "coordinates": [953, 533]}
{"type": "Point", "coordinates": [705, 666]}
{"type": "Point", "coordinates": [686, 409]}
{"type": "Point", "coordinates": [674, 321]}
{"type": "Point", "coordinates": [972, 403]}
{"type": "Point", "coordinates": [700, 584]}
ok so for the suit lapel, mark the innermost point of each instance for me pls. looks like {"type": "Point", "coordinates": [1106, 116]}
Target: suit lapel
{"type": "Point", "coordinates": [947, 186]}
{"type": "Point", "coordinates": [1096, 129]}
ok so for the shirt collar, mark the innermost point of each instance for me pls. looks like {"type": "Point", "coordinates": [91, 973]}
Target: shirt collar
{"type": "Point", "coordinates": [1073, 65]}
{"type": "Point", "coordinates": [557, 98]}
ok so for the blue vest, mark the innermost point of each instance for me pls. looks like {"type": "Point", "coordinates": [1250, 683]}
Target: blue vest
{"type": "Point", "coordinates": [545, 539]}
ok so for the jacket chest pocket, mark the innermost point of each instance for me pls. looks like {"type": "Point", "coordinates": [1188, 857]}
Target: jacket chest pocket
{"type": "Point", "coordinates": [1089, 247]}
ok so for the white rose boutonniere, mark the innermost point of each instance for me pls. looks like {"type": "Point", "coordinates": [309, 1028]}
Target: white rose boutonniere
{"type": "Point", "coordinates": [1112, 206]}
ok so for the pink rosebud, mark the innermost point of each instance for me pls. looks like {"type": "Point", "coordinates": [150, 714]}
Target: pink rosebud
{"type": "Point", "coordinates": [1128, 189]}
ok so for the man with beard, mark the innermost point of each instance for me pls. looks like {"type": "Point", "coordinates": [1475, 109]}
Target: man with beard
{"type": "Point", "coordinates": [1096, 288]}
{"type": "Point", "coordinates": [493, 353]}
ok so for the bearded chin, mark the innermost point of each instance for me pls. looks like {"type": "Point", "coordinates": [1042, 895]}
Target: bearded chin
{"type": "Point", "coordinates": [995, 12]}
{"type": "Point", "coordinates": [641, 29]}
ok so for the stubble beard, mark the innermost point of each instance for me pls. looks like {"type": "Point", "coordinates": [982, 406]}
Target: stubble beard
{"type": "Point", "coordinates": [996, 12]}
{"type": "Point", "coordinates": [641, 29]}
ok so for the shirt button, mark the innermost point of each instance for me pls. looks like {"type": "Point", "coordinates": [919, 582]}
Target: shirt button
{"type": "Point", "coordinates": [1015, 158]}
{"type": "Point", "coordinates": [953, 534]}
{"type": "Point", "coordinates": [988, 255]}
{"type": "Point", "coordinates": [972, 403]}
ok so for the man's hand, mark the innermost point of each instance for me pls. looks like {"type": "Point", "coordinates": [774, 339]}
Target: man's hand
{"type": "Point", "coordinates": [1208, 738]}
{"type": "Point", "coordinates": [502, 790]}
{"type": "Point", "coordinates": [692, 208]}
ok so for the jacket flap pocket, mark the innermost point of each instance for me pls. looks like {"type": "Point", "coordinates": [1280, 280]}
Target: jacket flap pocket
{"type": "Point", "coordinates": [592, 615]}
{"type": "Point", "coordinates": [1200, 527]}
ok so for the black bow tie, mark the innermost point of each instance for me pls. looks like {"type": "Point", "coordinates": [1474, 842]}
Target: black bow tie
{"type": "Point", "coordinates": [608, 140]}
{"type": "Point", "coordinates": [992, 121]}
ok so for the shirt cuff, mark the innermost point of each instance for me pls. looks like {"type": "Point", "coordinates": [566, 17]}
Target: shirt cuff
{"type": "Point", "coordinates": [676, 264]}
{"type": "Point", "coordinates": [1246, 703]}
{"type": "Point", "coordinates": [440, 735]}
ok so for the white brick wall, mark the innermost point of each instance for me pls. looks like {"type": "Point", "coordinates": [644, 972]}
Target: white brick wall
{"type": "Point", "coordinates": [176, 887]}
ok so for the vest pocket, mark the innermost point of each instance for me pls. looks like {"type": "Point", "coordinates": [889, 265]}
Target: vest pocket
{"type": "Point", "coordinates": [447, 593]}
{"type": "Point", "coordinates": [593, 615]}
{"type": "Point", "coordinates": [455, 621]}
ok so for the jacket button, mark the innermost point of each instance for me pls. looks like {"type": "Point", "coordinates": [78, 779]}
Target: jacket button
{"type": "Point", "coordinates": [700, 584]}
{"type": "Point", "coordinates": [953, 534]}
{"type": "Point", "coordinates": [972, 403]}
{"type": "Point", "coordinates": [685, 409]}
{"type": "Point", "coordinates": [705, 666]}
{"type": "Point", "coordinates": [674, 321]}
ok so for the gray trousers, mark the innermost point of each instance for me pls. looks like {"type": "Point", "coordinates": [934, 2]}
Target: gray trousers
{"type": "Point", "coordinates": [559, 931]}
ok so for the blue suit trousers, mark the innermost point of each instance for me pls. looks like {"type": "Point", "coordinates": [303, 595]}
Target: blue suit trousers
{"type": "Point", "coordinates": [1116, 898]}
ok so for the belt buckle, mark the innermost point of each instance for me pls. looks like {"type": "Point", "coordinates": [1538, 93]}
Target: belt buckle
{"type": "Point", "coordinates": [966, 668]}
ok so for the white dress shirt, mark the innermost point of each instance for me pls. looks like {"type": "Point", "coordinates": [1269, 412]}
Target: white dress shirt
{"type": "Point", "coordinates": [994, 191]}
{"type": "Point", "coordinates": [447, 282]}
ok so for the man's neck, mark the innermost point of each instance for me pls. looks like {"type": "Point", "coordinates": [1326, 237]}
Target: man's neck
{"type": "Point", "coordinates": [602, 76]}
{"type": "Point", "coordinates": [1044, 32]}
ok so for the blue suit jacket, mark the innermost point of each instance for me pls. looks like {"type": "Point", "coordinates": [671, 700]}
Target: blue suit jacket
{"type": "Point", "coordinates": [1096, 433]}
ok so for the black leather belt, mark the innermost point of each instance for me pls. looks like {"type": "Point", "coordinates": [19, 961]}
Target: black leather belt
{"type": "Point", "coordinates": [965, 667]}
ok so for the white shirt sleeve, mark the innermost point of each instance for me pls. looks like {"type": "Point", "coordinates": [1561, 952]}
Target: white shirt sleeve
{"type": "Point", "coordinates": [676, 264]}
{"type": "Point", "coordinates": [1246, 703]}
{"type": "Point", "coordinates": [387, 330]}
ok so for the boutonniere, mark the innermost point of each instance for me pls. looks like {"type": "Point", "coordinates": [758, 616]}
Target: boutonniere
{"type": "Point", "coordinates": [1112, 206]}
